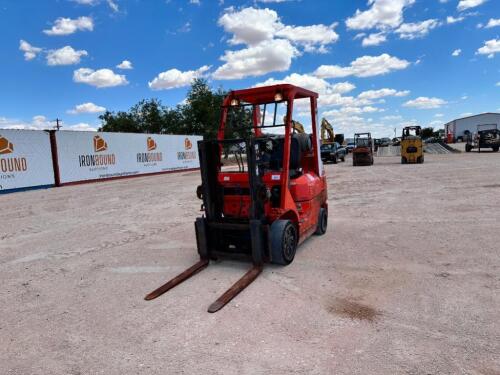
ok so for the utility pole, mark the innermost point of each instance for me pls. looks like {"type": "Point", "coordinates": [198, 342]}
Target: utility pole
{"type": "Point", "coordinates": [58, 123]}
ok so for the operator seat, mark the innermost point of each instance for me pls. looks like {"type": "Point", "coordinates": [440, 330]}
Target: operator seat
{"type": "Point", "coordinates": [298, 144]}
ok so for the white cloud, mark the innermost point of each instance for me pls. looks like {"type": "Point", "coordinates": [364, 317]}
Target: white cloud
{"type": "Point", "coordinates": [381, 93]}
{"type": "Point", "coordinates": [270, 45]}
{"type": "Point", "coordinates": [113, 5]}
{"type": "Point", "coordinates": [125, 64]}
{"type": "Point", "coordinates": [81, 126]}
{"type": "Point", "coordinates": [174, 78]}
{"type": "Point", "coordinates": [66, 26]}
{"type": "Point", "coordinates": [337, 100]}
{"type": "Point", "coordinates": [365, 66]}
{"type": "Point", "coordinates": [417, 29]}
{"type": "Point", "coordinates": [64, 56]}
{"type": "Point", "coordinates": [99, 78]}
{"type": "Point", "coordinates": [250, 25]}
{"type": "Point", "coordinates": [382, 14]}
{"type": "Point", "coordinates": [40, 122]}
{"type": "Point", "coordinates": [265, 57]}
{"type": "Point", "coordinates": [312, 38]}
{"type": "Point", "coordinates": [438, 115]}
{"type": "Point", "coordinates": [312, 83]}
{"type": "Point", "coordinates": [493, 22]}
{"type": "Point", "coordinates": [490, 48]}
{"type": "Point", "coordinates": [456, 52]}
{"type": "Point", "coordinates": [343, 87]}
{"type": "Point", "coordinates": [86, 108]}
{"type": "Point", "coordinates": [30, 52]}
{"type": "Point", "coordinates": [392, 118]}
{"type": "Point", "coordinates": [196, 2]}
{"type": "Point", "coordinates": [86, 2]}
{"type": "Point", "coordinates": [374, 39]}
{"type": "Point", "coordinates": [344, 111]}
{"type": "Point", "coordinates": [451, 19]}
{"type": "Point", "coordinates": [498, 83]}
{"type": "Point", "coordinates": [466, 4]}
{"type": "Point", "coordinates": [424, 102]}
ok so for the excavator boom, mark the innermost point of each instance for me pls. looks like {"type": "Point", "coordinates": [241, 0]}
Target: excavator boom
{"type": "Point", "coordinates": [327, 134]}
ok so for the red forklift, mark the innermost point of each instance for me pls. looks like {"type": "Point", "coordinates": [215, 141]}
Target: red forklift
{"type": "Point", "coordinates": [268, 196]}
{"type": "Point", "coordinates": [362, 154]}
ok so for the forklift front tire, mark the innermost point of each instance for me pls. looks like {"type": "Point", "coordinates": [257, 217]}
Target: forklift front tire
{"type": "Point", "coordinates": [284, 240]}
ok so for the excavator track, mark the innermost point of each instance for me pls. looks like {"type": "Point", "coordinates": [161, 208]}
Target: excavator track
{"type": "Point", "coordinates": [224, 299]}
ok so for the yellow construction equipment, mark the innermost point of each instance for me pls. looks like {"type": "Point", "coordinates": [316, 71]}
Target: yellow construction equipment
{"type": "Point", "coordinates": [298, 127]}
{"type": "Point", "coordinates": [412, 150]}
{"type": "Point", "coordinates": [327, 134]}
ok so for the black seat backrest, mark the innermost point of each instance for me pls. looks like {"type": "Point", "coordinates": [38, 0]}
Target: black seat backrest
{"type": "Point", "coordinates": [276, 162]}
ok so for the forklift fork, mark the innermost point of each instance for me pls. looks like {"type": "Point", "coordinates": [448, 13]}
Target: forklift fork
{"type": "Point", "coordinates": [224, 299]}
{"type": "Point", "coordinates": [203, 263]}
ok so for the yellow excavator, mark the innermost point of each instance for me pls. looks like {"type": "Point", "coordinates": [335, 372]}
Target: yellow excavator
{"type": "Point", "coordinates": [327, 134]}
{"type": "Point", "coordinates": [298, 127]}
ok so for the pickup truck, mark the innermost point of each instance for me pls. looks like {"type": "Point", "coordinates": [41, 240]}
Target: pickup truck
{"type": "Point", "coordinates": [333, 152]}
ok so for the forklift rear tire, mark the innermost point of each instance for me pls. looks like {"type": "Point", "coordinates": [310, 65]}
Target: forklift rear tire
{"type": "Point", "coordinates": [495, 149]}
{"type": "Point", "coordinates": [334, 160]}
{"type": "Point", "coordinates": [468, 148]}
{"type": "Point", "coordinates": [322, 222]}
{"type": "Point", "coordinates": [343, 158]}
{"type": "Point", "coordinates": [283, 242]}
{"type": "Point", "coordinates": [403, 160]}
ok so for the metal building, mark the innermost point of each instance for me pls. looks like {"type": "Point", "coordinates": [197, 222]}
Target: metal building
{"type": "Point", "coordinates": [456, 129]}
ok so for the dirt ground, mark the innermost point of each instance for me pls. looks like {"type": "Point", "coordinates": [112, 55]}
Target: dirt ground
{"type": "Point", "coordinates": [406, 280]}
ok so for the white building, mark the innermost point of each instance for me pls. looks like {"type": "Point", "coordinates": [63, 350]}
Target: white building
{"type": "Point", "coordinates": [456, 129]}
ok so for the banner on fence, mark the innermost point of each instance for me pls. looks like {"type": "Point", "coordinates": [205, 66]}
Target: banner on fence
{"type": "Point", "coordinates": [25, 159]}
{"type": "Point", "coordinates": [93, 156]}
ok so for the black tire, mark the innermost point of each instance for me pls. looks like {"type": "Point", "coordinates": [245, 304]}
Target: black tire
{"type": "Point", "coordinates": [343, 158]}
{"type": "Point", "coordinates": [495, 149]}
{"type": "Point", "coordinates": [284, 238]}
{"type": "Point", "coordinates": [403, 160]}
{"type": "Point", "coordinates": [334, 159]}
{"type": "Point", "coordinates": [322, 222]}
{"type": "Point", "coordinates": [468, 147]}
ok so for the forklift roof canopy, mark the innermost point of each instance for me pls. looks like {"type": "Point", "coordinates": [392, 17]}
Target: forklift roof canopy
{"type": "Point", "coordinates": [262, 95]}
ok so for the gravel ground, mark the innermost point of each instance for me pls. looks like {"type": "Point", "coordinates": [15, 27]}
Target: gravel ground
{"type": "Point", "coordinates": [406, 280]}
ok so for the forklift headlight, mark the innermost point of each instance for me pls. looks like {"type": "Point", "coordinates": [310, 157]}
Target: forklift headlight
{"type": "Point", "coordinates": [278, 97]}
{"type": "Point", "coordinates": [199, 192]}
{"type": "Point", "coordinates": [235, 102]}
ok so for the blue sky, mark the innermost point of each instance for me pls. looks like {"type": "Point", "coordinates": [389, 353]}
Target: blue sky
{"type": "Point", "coordinates": [376, 64]}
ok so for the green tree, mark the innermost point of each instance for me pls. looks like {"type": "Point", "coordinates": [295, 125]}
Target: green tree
{"type": "Point", "coordinates": [147, 116]}
{"type": "Point", "coordinates": [427, 132]}
{"type": "Point", "coordinates": [199, 115]}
